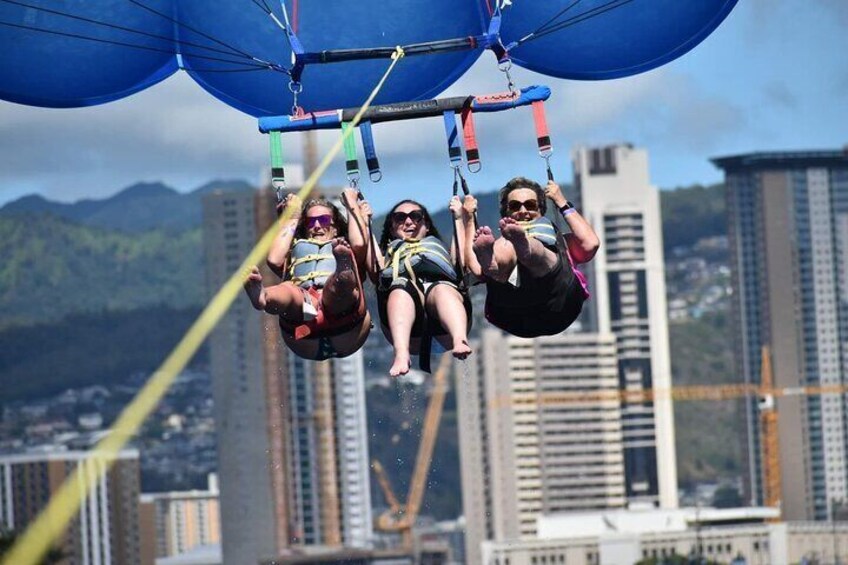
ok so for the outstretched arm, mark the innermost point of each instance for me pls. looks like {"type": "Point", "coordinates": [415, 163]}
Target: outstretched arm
{"type": "Point", "coordinates": [582, 242]}
{"type": "Point", "coordinates": [458, 243]}
{"type": "Point", "coordinates": [469, 209]}
{"type": "Point", "coordinates": [357, 227]}
{"type": "Point", "coordinates": [280, 248]}
{"type": "Point", "coordinates": [373, 256]}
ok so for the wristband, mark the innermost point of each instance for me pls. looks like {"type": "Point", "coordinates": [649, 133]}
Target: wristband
{"type": "Point", "coordinates": [565, 211]}
{"type": "Point", "coordinates": [567, 206]}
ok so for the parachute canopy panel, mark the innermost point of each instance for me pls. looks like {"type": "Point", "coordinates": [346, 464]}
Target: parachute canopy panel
{"type": "Point", "coordinates": [81, 53]}
{"type": "Point", "coordinates": [320, 26]}
{"type": "Point", "coordinates": [606, 39]}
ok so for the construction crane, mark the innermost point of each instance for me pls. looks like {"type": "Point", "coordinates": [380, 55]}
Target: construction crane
{"type": "Point", "coordinates": [765, 392]}
{"type": "Point", "coordinates": [401, 518]}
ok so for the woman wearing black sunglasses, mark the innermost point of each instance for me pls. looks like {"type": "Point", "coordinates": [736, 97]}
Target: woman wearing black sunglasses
{"type": "Point", "coordinates": [532, 287]}
{"type": "Point", "coordinates": [418, 287]}
{"type": "Point", "coordinates": [320, 302]}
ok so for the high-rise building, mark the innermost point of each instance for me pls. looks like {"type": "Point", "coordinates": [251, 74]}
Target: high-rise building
{"type": "Point", "coordinates": [788, 227]}
{"type": "Point", "coordinates": [247, 376]}
{"type": "Point", "coordinates": [181, 521]}
{"type": "Point", "coordinates": [523, 457]}
{"type": "Point", "coordinates": [105, 530]}
{"type": "Point", "coordinates": [612, 190]}
{"type": "Point", "coordinates": [293, 461]}
{"type": "Point", "coordinates": [331, 497]}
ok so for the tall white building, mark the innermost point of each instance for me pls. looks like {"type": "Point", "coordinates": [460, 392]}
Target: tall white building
{"type": "Point", "coordinates": [292, 443]}
{"type": "Point", "coordinates": [613, 191]}
{"type": "Point", "coordinates": [525, 451]}
{"type": "Point", "coordinates": [251, 528]}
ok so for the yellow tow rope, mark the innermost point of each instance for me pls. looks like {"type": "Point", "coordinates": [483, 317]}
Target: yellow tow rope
{"type": "Point", "coordinates": [44, 532]}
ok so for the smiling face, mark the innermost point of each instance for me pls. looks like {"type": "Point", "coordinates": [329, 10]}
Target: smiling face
{"type": "Point", "coordinates": [319, 223]}
{"type": "Point", "coordinates": [408, 221]}
{"type": "Point", "coordinates": [522, 205]}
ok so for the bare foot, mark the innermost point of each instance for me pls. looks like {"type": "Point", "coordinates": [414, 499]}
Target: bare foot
{"type": "Point", "coordinates": [401, 364]}
{"type": "Point", "coordinates": [515, 234]}
{"type": "Point", "coordinates": [344, 261]}
{"type": "Point", "coordinates": [254, 289]}
{"type": "Point", "coordinates": [461, 349]}
{"type": "Point", "coordinates": [484, 249]}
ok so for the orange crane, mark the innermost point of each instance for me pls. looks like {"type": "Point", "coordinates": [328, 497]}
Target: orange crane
{"type": "Point", "coordinates": [768, 434]}
{"type": "Point", "coordinates": [401, 518]}
{"type": "Point", "coordinates": [766, 393]}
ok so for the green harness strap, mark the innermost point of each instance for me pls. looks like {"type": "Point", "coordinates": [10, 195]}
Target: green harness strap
{"type": "Point", "coordinates": [278, 173]}
{"type": "Point", "coordinates": [351, 160]}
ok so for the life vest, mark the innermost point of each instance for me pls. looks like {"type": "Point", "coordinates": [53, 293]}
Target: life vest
{"type": "Point", "coordinates": [311, 263]}
{"type": "Point", "coordinates": [426, 259]}
{"type": "Point", "coordinates": [541, 229]}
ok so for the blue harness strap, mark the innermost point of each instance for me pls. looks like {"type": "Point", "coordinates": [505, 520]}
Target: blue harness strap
{"type": "Point", "coordinates": [371, 160]}
{"type": "Point", "coordinates": [454, 143]}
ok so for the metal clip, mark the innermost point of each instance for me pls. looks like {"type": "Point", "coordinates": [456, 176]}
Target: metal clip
{"type": "Point", "coordinates": [295, 88]}
{"type": "Point", "coordinates": [505, 67]}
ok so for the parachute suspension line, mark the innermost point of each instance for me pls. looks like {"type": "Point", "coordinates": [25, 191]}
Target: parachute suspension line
{"type": "Point", "coordinates": [50, 524]}
{"type": "Point", "coordinates": [249, 66]}
{"type": "Point", "coordinates": [278, 173]}
{"type": "Point", "coordinates": [554, 18]}
{"type": "Point", "coordinates": [579, 18]}
{"type": "Point", "coordinates": [70, 16]}
{"type": "Point", "coordinates": [275, 66]}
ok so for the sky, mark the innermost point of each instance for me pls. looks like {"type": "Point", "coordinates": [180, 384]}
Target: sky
{"type": "Point", "coordinates": [773, 76]}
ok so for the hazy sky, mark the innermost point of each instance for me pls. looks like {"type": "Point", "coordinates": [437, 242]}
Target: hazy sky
{"type": "Point", "coordinates": [773, 76]}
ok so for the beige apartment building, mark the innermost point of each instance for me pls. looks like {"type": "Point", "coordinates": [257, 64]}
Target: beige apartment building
{"type": "Point", "coordinates": [524, 454]}
{"type": "Point", "coordinates": [788, 231]}
{"type": "Point", "coordinates": [105, 531]}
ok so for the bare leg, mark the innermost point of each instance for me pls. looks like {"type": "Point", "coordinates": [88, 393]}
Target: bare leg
{"type": "Point", "coordinates": [445, 303]}
{"type": "Point", "coordinates": [497, 258]}
{"type": "Point", "coordinates": [284, 299]}
{"type": "Point", "coordinates": [401, 314]}
{"type": "Point", "coordinates": [341, 292]}
{"type": "Point", "coordinates": [530, 252]}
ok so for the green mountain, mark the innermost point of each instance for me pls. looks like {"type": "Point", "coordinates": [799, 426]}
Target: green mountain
{"type": "Point", "coordinates": [81, 350]}
{"type": "Point", "coordinates": [137, 208]}
{"type": "Point", "coordinates": [52, 268]}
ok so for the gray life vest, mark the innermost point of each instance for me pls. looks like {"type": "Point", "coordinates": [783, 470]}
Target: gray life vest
{"type": "Point", "coordinates": [311, 263]}
{"type": "Point", "coordinates": [426, 259]}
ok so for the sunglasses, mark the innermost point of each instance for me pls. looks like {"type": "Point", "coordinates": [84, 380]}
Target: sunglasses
{"type": "Point", "coordinates": [529, 205]}
{"type": "Point", "coordinates": [324, 221]}
{"type": "Point", "coordinates": [400, 217]}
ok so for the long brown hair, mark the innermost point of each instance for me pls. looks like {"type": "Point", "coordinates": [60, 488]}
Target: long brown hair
{"type": "Point", "coordinates": [387, 234]}
{"type": "Point", "coordinates": [338, 220]}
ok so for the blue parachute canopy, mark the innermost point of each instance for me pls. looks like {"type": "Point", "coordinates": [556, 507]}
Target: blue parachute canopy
{"type": "Point", "coordinates": [75, 53]}
{"type": "Point", "coordinates": [85, 52]}
{"type": "Point", "coordinates": [605, 39]}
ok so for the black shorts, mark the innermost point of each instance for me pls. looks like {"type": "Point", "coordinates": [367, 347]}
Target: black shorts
{"type": "Point", "coordinates": [422, 321]}
{"type": "Point", "coordinates": [540, 306]}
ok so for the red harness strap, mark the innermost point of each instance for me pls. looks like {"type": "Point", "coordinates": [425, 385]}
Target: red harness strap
{"type": "Point", "coordinates": [472, 151]}
{"type": "Point", "coordinates": [543, 138]}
